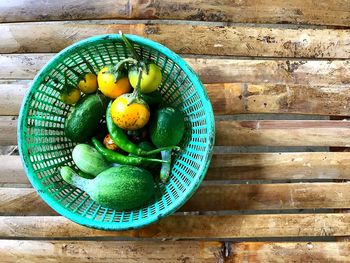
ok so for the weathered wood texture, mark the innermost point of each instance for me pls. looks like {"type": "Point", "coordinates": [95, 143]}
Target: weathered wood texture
{"type": "Point", "coordinates": [300, 12]}
{"type": "Point", "coordinates": [283, 133]}
{"type": "Point", "coordinates": [184, 39]}
{"type": "Point", "coordinates": [269, 197]}
{"type": "Point", "coordinates": [250, 133]}
{"type": "Point", "coordinates": [12, 171]}
{"type": "Point", "coordinates": [110, 251]}
{"type": "Point", "coordinates": [289, 252]}
{"type": "Point", "coordinates": [11, 96]}
{"type": "Point", "coordinates": [189, 226]}
{"type": "Point", "coordinates": [170, 251]}
{"type": "Point", "coordinates": [25, 201]}
{"type": "Point", "coordinates": [259, 166]}
{"type": "Point", "coordinates": [8, 131]}
{"type": "Point", "coordinates": [279, 166]}
{"type": "Point", "coordinates": [213, 70]}
{"type": "Point", "coordinates": [236, 98]}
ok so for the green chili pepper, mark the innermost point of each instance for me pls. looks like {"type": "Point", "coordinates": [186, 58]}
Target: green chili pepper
{"type": "Point", "coordinates": [115, 157]}
{"type": "Point", "coordinates": [122, 141]}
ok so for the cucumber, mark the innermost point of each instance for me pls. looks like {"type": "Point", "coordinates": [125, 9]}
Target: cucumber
{"type": "Point", "coordinates": [121, 188]}
{"type": "Point", "coordinates": [84, 119]}
{"type": "Point", "coordinates": [167, 128]}
{"type": "Point", "coordinates": [89, 160]}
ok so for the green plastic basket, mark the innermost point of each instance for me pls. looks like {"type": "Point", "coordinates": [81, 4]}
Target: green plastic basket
{"type": "Point", "coordinates": [44, 147]}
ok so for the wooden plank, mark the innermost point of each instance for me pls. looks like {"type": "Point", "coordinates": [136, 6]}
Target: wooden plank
{"type": "Point", "coordinates": [110, 251]}
{"type": "Point", "coordinates": [18, 66]}
{"type": "Point", "coordinates": [217, 70]}
{"type": "Point", "coordinates": [171, 251]}
{"type": "Point", "coordinates": [250, 133]}
{"type": "Point", "coordinates": [184, 38]}
{"type": "Point", "coordinates": [11, 96]}
{"type": "Point", "coordinates": [267, 11]}
{"type": "Point", "coordinates": [236, 98]}
{"type": "Point", "coordinates": [289, 252]}
{"type": "Point", "coordinates": [189, 226]}
{"type": "Point", "coordinates": [269, 197]}
{"type": "Point", "coordinates": [8, 131]}
{"type": "Point", "coordinates": [279, 166]}
{"type": "Point", "coordinates": [12, 171]}
{"type": "Point", "coordinates": [314, 72]}
{"type": "Point", "coordinates": [25, 201]}
{"type": "Point", "coordinates": [211, 70]}
{"type": "Point", "coordinates": [283, 133]}
{"type": "Point", "coordinates": [22, 201]}
{"type": "Point", "coordinates": [249, 166]}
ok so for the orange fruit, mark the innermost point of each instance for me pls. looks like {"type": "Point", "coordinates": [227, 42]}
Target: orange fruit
{"type": "Point", "coordinates": [110, 86]}
{"type": "Point", "coordinates": [129, 116]}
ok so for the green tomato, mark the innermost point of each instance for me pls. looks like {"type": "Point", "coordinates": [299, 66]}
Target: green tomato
{"type": "Point", "coordinates": [149, 82]}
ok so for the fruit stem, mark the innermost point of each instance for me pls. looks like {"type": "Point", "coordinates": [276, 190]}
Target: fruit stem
{"type": "Point", "coordinates": [165, 169]}
{"type": "Point", "coordinates": [65, 86]}
{"type": "Point", "coordinates": [136, 93]}
{"type": "Point", "coordinates": [176, 148]}
{"type": "Point", "coordinates": [121, 63]}
{"type": "Point", "coordinates": [130, 47]}
{"type": "Point", "coordinates": [89, 66]}
{"type": "Point", "coordinates": [76, 73]}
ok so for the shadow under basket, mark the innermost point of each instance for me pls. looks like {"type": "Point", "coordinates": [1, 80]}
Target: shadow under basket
{"type": "Point", "coordinates": [44, 147]}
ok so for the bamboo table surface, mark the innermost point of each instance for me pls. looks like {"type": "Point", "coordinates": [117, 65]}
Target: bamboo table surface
{"type": "Point", "coordinates": [278, 76]}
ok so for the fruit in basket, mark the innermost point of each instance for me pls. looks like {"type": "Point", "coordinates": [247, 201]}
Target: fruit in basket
{"type": "Point", "coordinates": [150, 80]}
{"type": "Point", "coordinates": [109, 143]}
{"type": "Point", "coordinates": [89, 160]}
{"type": "Point", "coordinates": [87, 83]}
{"type": "Point", "coordinates": [121, 139]}
{"type": "Point", "coordinates": [113, 82]}
{"type": "Point", "coordinates": [130, 113]}
{"type": "Point", "coordinates": [167, 128]}
{"type": "Point", "coordinates": [118, 158]}
{"type": "Point", "coordinates": [69, 94]}
{"type": "Point", "coordinates": [122, 188]}
{"type": "Point", "coordinates": [151, 75]}
{"type": "Point", "coordinates": [83, 121]}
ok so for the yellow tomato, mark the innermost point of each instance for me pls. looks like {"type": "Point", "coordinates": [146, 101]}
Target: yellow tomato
{"type": "Point", "coordinates": [129, 116]}
{"type": "Point", "coordinates": [149, 82]}
{"type": "Point", "coordinates": [110, 86]}
{"type": "Point", "coordinates": [70, 97]}
{"type": "Point", "coordinates": [88, 84]}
